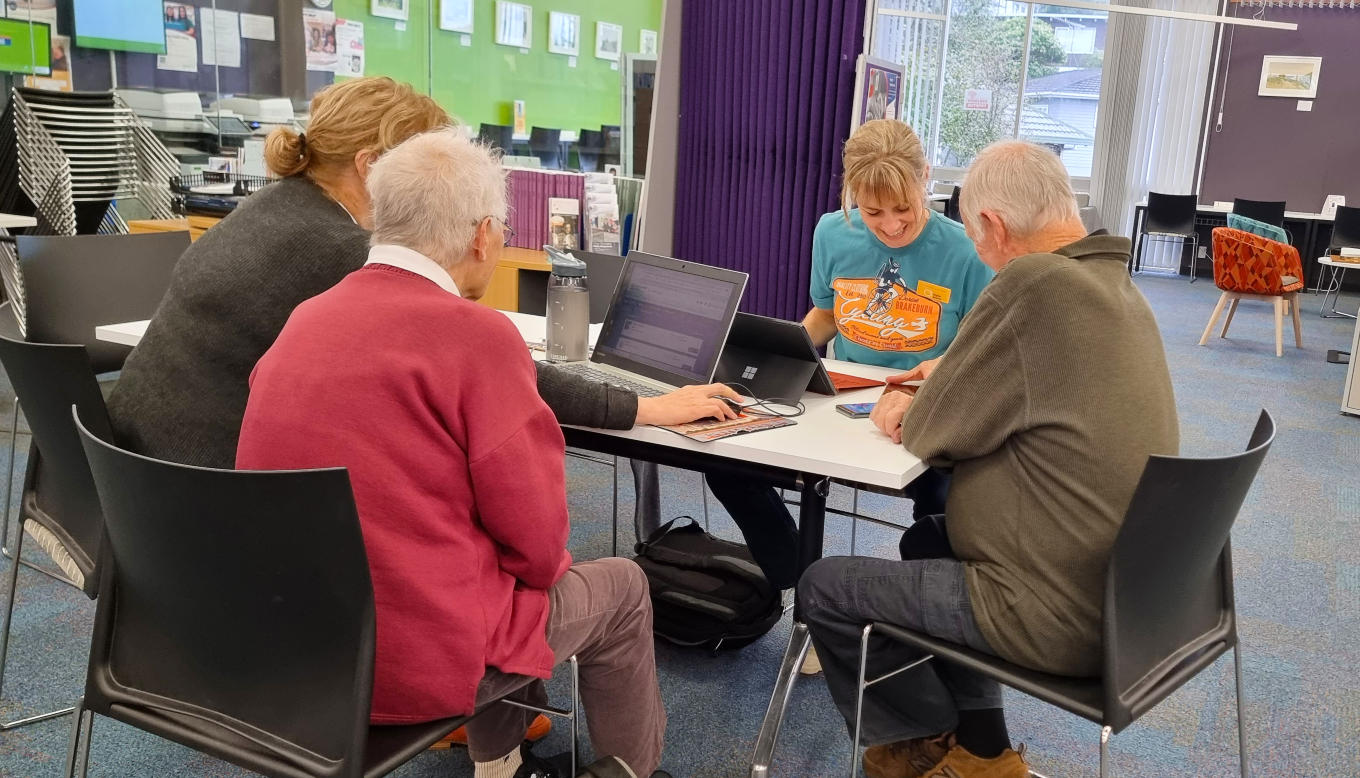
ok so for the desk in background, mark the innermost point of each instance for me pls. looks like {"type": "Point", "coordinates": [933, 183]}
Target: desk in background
{"type": "Point", "coordinates": [196, 225]}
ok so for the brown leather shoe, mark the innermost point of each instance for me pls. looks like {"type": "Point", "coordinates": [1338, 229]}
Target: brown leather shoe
{"type": "Point", "coordinates": [537, 731]}
{"type": "Point", "coordinates": [958, 763]}
{"type": "Point", "coordinates": [906, 758]}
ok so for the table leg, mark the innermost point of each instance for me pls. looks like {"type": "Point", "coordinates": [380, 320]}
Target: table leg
{"type": "Point", "coordinates": [811, 527]}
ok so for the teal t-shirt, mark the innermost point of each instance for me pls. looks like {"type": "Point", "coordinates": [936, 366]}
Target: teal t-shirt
{"type": "Point", "coordinates": [894, 307]}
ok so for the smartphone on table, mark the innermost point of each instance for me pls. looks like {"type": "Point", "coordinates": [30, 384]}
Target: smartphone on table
{"type": "Point", "coordinates": [856, 410]}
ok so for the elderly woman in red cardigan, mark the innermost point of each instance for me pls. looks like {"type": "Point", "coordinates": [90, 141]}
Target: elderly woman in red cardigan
{"type": "Point", "coordinates": [429, 399]}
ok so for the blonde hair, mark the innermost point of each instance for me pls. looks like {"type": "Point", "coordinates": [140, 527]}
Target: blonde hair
{"type": "Point", "coordinates": [883, 158]}
{"type": "Point", "coordinates": [1023, 183]}
{"type": "Point", "coordinates": [430, 194]}
{"type": "Point", "coordinates": [365, 113]}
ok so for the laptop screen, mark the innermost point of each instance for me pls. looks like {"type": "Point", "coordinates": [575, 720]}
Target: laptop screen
{"type": "Point", "coordinates": [671, 320]}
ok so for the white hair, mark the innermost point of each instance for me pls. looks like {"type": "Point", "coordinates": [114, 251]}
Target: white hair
{"type": "Point", "coordinates": [431, 192]}
{"type": "Point", "coordinates": [1023, 183]}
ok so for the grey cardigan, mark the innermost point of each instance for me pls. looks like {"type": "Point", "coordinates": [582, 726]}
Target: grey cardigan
{"type": "Point", "coordinates": [182, 393]}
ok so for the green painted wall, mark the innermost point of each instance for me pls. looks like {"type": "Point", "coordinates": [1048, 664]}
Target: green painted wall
{"type": "Point", "coordinates": [477, 83]}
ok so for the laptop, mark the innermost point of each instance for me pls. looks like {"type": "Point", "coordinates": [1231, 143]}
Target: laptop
{"type": "Point", "coordinates": [666, 326]}
{"type": "Point", "coordinates": [772, 359]}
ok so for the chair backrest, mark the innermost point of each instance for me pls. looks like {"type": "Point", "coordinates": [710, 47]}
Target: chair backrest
{"type": "Point", "coordinates": [1346, 228]}
{"type": "Point", "coordinates": [1268, 211]}
{"type": "Point", "coordinates": [1168, 590]}
{"type": "Point", "coordinates": [59, 492]}
{"type": "Point", "coordinates": [1171, 214]}
{"type": "Point", "coordinates": [546, 144]}
{"type": "Point", "coordinates": [74, 284]}
{"type": "Point", "coordinates": [235, 613]}
{"type": "Point", "coordinates": [500, 136]}
{"type": "Point", "coordinates": [951, 208]}
{"type": "Point", "coordinates": [1249, 263]}
{"type": "Point", "coordinates": [589, 147]}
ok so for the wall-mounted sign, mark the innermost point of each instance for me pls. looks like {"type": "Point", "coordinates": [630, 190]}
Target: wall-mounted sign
{"type": "Point", "coordinates": [977, 100]}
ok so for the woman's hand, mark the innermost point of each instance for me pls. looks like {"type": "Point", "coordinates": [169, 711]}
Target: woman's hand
{"type": "Point", "coordinates": [686, 404]}
{"type": "Point", "coordinates": [919, 373]}
{"type": "Point", "coordinates": [888, 412]}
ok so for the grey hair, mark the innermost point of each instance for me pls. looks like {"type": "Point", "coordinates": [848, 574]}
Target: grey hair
{"type": "Point", "coordinates": [431, 192]}
{"type": "Point", "coordinates": [1023, 183]}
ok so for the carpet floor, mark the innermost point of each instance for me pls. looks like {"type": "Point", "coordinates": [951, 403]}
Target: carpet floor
{"type": "Point", "coordinates": [1296, 552]}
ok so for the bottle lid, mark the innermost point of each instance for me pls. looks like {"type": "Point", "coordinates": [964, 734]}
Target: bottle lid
{"type": "Point", "coordinates": [564, 264]}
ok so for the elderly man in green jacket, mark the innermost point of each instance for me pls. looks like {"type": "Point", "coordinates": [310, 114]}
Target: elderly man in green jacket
{"type": "Point", "coordinates": [1047, 406]}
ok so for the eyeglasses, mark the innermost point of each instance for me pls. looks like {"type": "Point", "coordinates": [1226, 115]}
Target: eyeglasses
{"type": "Point", "coordinates": [508, 233]}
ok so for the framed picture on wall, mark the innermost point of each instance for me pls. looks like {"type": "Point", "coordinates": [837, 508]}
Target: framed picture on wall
{"type": "Point", "coordinates": [455, 15]}
{"type": "Point", "coordinates": [647, 43]}
{"type": "Point", "coordinates": [1295, 77]}
{"type": "Point", "coordinates": [391, 9]}
{"type": "Point", "coordinates": [608, 40]}
{"type": "Point", "coordinates": [878, 91]}
{"type": "Point", "coordinates": [514, 24]}
{"type": "Point", "coordinates": [564, 33]}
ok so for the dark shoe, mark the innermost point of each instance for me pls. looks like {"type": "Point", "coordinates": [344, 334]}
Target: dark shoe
{"type": "Point", "coordinates": [536, 766]}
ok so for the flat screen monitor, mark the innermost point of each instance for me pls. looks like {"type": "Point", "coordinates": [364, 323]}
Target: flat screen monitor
{"type": "Point", "coordinates": [124, 25]}
{"type": "Point", "coordinates": [25, 47]}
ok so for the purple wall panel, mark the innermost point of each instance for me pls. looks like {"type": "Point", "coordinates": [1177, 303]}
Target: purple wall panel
{"type": "Point", "coordinates": [765, 96]}
{"type": "Point", "coordinates": [1268, 149]}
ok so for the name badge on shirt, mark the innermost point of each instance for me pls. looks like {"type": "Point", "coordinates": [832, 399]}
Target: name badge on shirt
{"type": "Point", "coordinates": [939, 294]}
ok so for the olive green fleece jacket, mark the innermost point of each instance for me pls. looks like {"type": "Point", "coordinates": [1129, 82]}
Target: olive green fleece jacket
{"type": "Point", "coordinates": [1047, 406]}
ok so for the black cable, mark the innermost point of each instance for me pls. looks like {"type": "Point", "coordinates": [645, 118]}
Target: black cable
{"type": "Point", "coordinates": [766, 405]}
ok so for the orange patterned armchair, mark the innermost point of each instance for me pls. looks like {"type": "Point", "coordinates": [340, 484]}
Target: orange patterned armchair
{"type": "Point", "coordinates": [1253, 267]}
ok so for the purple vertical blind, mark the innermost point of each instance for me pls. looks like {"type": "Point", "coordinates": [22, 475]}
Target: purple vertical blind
{"type": "Point", "coordinates": [766, 88]}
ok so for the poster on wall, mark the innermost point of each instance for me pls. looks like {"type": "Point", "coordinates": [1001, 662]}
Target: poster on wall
{"type": "Point", "coordinates": [1295, 77]}
{"type": "Point", "coordinates": [647, 43]}
{"type": "Point", "coordinates": [60, 78]}
{"type": "Point", "coordinates": [608, 40]}
{"type": "Point", "coordinates": [977, 99]}
{"type": "Point", "coordinates": [878, 91]}
{"type": "Point", "coordinates": [181, 39]}
{"type": "Point", "coordinates": [221, 38]}
{"type": "Point", "coordinates": [318, 31]}
{"type": "Point", "coordinates": [349, 45]}
{"type": "Point", "coordinates": [564, 33]}
{"type": "Point", "coordinates": [514, 24]}
{"type": "Point", "coordinates": [455, 15]}
{"type": "Point", "coordinates": [391, 9]}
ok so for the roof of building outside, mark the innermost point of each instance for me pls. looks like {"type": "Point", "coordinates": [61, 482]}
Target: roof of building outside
{"type": "Point", "coordinates": [1082, 83]}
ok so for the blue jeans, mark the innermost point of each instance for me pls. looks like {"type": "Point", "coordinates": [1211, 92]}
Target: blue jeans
{"type": "Point", "coordinates": [841, 595]}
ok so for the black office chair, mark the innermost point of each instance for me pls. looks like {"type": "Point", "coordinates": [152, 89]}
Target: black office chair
{"type": "Point", "coordinates": [589, 149]}
{"type": "Point", "coordinates": [1268, 211]}
{"type": "Point", "coordinates": [59, 507]}
{"type": "Point", "coordinates": [546, 145]}
{"type": "Point", "coordinates": [613, 144]}
{"type": "Point", "coordinates": [236, 617]}
{"type": "Point", "coordinates": [1169, 610]}
{"type": "Point", "coordinates": [498, 136]}
{"type": "Point", "coordinates": [1168, 217]}
{"type": "Point", "coordinates": [1345, 235]}
{"type": "Point", "coordinates": [951, 206]}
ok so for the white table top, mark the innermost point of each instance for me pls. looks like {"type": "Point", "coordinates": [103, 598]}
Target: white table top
{"type": "Point", "coordinates": [1227, 209]}
{"type": "Point", "coordinates": [9, 221]}
{"type": "Point", "coordinates": [1328, 259]}
{"type": "Point", "coordinates": [565, 136]}
{"type": "Point", "coordinates": [824, 441]}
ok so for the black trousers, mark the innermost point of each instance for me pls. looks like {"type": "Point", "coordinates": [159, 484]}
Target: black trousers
{"type": "Point", "coordinates": [769, 528]}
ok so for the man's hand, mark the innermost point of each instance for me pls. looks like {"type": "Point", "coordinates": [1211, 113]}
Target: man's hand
{"type": "Point", "coordinates": [888, 412]}
{"type": "Point", "coordinates": [919, 373]}
{"type": "Point", "coordinates": [686, 404]}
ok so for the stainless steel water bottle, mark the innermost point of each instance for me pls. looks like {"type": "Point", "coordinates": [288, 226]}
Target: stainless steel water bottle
{"type": "Point", "coordinates": [568, 308]}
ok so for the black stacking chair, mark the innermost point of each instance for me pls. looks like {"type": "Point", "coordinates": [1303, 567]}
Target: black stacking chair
{"type": "Point", "coordinates": [258, 653]}
{"type": "Point", "coordinates": [951, 206]}
{"type": "Point", "coordinates": [613, 144]}
{"type": "Point", "coordinates": [1169, 610]}
{"type": "Point", "coordinates": [1168, 217]}
{"type": "Point", "coordinates": [546, 145]}
{"type": "Point", "coordinates": [589, 149]}
{"type": "Point", "coordinates": [498, 136]}
{"type": "Point", "coordinates": [1268, 211]}
{"type": "Point", "coordinates": [1345, 235]}
{"type": "Point", "coordinates": [59, 507]}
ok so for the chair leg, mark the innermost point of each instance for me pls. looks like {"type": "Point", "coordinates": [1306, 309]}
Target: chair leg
{"type": "Point", "coordinates": [1194, 264]}
{"type": "Point", "coordinates": [575, 714]}
{"type": "Point", "coordinates": [9, 604]}
{"type": "Point", "coordinates": [74, 744]}
{"type": "Point", "coordinates": [1104, 751]}
{"type": "Point", "coordinates": [854, 522]}
{"type": "Point", "coordinates": [85, 747]}
{"type": "Point", "coordinates": [703, 491]}
{"type": "Point", "coordinates": [1241, 711]}
{"type": "Point", "coordinates": [1279, 326]}
{"type": "Point", "coordinates": [1223, 300]}
{"type": "Point", "coordinates": [616, 507]}
{"type": "Point", "coordinates": [1232, 310]}
{"type": "Point", "coordinates": [1298, 322]}
{"type": "Point", "coordinates": [9, 479]}
{"type": "Point", "coordinates": [859, 699]}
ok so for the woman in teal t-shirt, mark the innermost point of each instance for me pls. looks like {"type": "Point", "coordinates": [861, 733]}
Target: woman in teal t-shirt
{"type": "Point", "coordinates": [891, 281]}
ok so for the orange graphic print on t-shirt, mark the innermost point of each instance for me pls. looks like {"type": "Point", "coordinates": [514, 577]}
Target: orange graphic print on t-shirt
{"type": "Point", "coordinates": [882, 314]}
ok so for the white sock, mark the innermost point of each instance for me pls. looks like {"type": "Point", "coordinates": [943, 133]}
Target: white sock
{"type": "Point", "coordinates": [504, 767]}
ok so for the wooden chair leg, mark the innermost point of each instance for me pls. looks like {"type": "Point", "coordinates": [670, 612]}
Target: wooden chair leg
{"type": "Point", "coordinates": [1298, 326]}
{"type": "Point", "coordinates": [1223, 300]}
{"type": "Point", "coordinates": [1279, 326]}
{"type": "Point", "coordinates": [1232, 309]}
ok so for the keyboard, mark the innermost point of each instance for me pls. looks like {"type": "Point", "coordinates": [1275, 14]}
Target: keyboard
{"type": "Point", "coordinates": [584, 370]}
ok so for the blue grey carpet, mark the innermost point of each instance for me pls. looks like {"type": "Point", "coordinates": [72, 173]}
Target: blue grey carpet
{"type": "Point", "coordinates": [1296, 552]}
